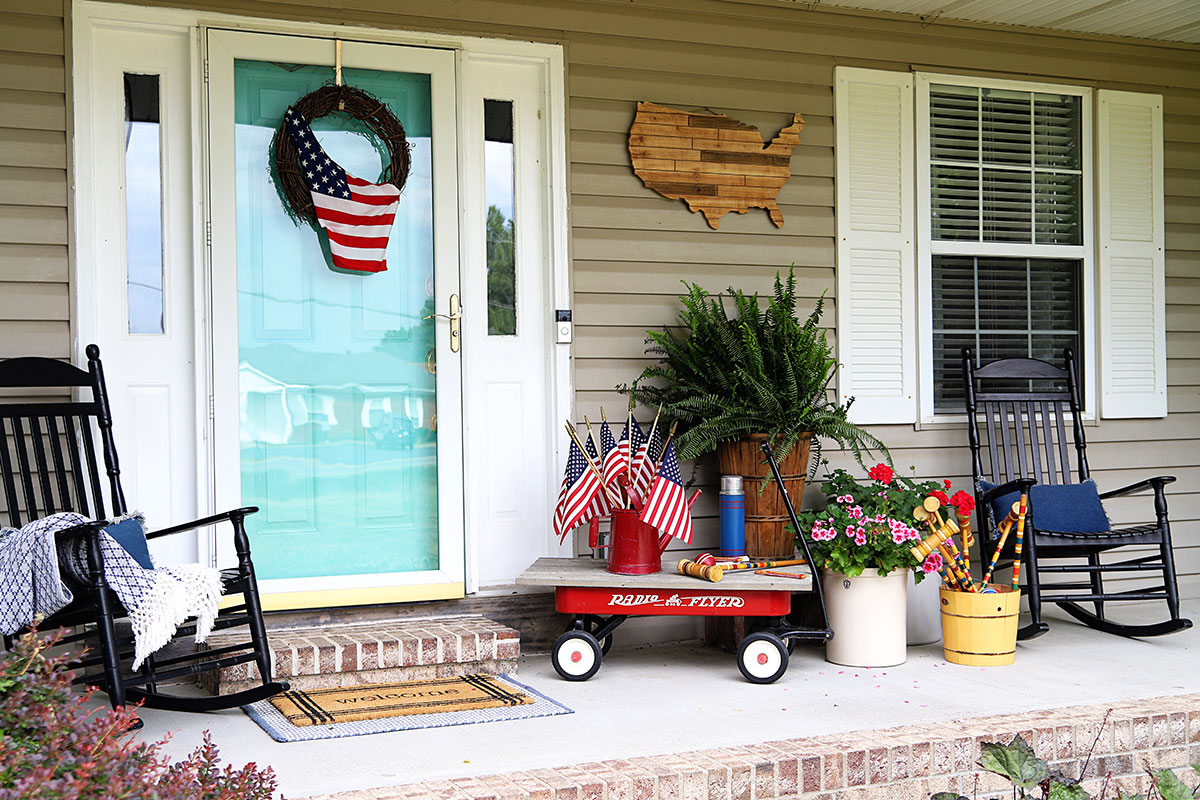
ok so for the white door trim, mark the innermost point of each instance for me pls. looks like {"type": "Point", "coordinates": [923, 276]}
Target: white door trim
{"type": "Point", "coordinates": [87, 14]}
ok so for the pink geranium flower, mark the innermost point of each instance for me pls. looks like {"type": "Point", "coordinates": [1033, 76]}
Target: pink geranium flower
{"type": "Point", "coordinates": [932, 563]}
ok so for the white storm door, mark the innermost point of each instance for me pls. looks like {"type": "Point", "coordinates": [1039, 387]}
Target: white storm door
{"type": "Point", "coordinates": [135, 290]}
{"type": "Point", "coordinates": [508, 320]}
{"type": "Point", "coordinates": [337, 403]}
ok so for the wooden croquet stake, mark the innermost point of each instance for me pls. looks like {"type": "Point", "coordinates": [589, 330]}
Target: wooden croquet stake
{"type": "Point", "coordinates": [964, 525]}
{"type": "Point", "coordinates": [963, 580]}
{"type": "Point", "coordinates": [1016, 581]}
{"type": "Point", "coordinates": [1004, 527]}
{"type": "Point", "coordinates": [687, 567]}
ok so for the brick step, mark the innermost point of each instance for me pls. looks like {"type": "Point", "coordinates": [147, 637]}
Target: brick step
{"type": "Point", "coordinates": [382, 651]}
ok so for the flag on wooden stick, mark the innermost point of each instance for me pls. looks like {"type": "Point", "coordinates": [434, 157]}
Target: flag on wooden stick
{"type": "Point", "coordinates": [667, 507]}
{"type": "Point", "coordinates": [644, 461]}
{"type": "Point", "coordinates": [580, 485]}
{"type": "Point", "coordinates": [602, 504]}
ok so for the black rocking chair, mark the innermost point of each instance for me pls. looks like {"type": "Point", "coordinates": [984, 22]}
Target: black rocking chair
{"type": "Point", "coordinates": [1025, 404]}
{"type": "Point", "coordinates": [48, 464]}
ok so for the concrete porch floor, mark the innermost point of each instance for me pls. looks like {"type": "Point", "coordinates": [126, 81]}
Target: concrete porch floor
{"type": "Point", "coordinates": [674, 698]}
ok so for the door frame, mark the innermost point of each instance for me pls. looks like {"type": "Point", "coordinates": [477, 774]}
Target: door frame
{"type": "Point", "coordinates": [87, 14]}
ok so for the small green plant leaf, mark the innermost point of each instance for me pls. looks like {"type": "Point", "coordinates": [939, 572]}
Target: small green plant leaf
{"type": "Point", "coordinates": [1067, 791]}
{"type": "Point", "coordinates": [1016, 762]}
{"type": "Point", "coordinates": [1170, 787]}
{"type": "Point", "coordinates": [947, 796]}
{"type": "Point", "coordinates": [1196, 767]}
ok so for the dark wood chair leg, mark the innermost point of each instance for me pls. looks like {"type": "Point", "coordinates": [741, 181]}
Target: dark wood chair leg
{"type": "Point", "coordinates": [258, 629]}
{"type": "Point", "coordinates": [1097, 582]}
{"type": "Point", "coordinates": [1033, 592]}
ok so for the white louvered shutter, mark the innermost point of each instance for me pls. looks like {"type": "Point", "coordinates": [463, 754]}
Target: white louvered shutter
{"type": "Point", "coordinates": [876, 319]}
{"type": "Point", "coordinates": [1132, 281]}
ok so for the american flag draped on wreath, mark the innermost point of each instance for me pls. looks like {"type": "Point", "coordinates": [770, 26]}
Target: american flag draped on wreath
{"type": "Point", "coordinates": [357, 215]}
{"type": "Point", "coordinates": [639, 471]}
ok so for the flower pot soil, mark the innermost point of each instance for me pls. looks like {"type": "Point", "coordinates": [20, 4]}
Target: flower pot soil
{"type": "Point", "coordinates": [766, 517]}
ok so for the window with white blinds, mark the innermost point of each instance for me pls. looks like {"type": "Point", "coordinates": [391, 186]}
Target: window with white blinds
{"type": "Point", "coordinates": [1004, 239]}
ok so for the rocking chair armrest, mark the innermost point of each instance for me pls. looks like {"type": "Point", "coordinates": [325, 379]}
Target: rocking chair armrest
{"type": "Point", "coordinates": [1021, 485]}
{"type": "Point", "coordinates": [81, 531]}
{"type": "Point", "coordinates": [1157, 483]}
{"type": "Point", "coordinates": [234, 515]}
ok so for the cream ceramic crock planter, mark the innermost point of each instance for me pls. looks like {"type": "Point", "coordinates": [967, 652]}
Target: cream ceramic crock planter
{"type": "Point", "coordinates": [868, 617]}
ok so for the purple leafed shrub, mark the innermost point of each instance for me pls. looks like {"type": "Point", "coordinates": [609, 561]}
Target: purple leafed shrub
{"type": "Point", "coordinates": [52, 745]}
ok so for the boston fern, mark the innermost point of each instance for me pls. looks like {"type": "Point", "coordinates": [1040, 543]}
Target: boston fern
{"type": "Point", "coordinates": [762, 371]}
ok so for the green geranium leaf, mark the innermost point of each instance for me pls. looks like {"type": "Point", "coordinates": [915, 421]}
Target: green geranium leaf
{"type": "Point", "coordinates": [1067, 791]}
{"type": "Point", "coordinates": [947, 796]}
{"type": "Point", "coordinates": [1170, 787]}
{"type": "Point", "coordinates": [1016, 762]}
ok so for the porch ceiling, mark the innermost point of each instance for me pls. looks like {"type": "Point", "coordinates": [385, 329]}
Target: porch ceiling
{"type": "Point", "coordinates": [1161, 20]}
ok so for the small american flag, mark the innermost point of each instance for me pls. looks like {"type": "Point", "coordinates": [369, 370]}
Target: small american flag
{"type": "Point", "coordinates": [601, 505]}
{"type": "Point", "coordinates": [643, 465]}
{"type": "Point", "coordinates": [667, 507]}
{"type": "Point", "coordinates": [616, 459]}
{"type": "Point", "coordinates": [357, 216]}
{"type": "Point", "coordinates": [579, 487]}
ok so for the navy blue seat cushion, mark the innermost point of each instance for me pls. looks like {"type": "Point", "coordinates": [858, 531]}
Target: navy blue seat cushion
{"type": "Point", "coordinates": [1073, 507]}
{"type": "Point", "coordinates": [130, 534]}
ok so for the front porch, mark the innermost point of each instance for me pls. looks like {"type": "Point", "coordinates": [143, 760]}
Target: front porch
{"type": "Point", "coordinates": [678, 721]}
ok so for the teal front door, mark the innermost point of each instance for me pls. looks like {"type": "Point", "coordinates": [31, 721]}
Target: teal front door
{"type": "Point", "coordinates": [337, 408]}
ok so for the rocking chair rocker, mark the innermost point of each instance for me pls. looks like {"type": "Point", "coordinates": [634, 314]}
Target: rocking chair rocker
{"type": "Point", "coordinates": [56, 469]}
{"type": "Point", "coordinates": [1025, 402]}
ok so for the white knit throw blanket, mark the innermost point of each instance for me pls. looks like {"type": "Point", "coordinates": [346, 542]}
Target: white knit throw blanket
{"type": "Point", "coordinates": [158, 600]}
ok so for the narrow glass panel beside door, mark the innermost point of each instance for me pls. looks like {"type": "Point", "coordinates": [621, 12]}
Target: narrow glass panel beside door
{"type": "Point", "coordinates": [143, 205]}
{"type": "Point", "coordinates": [500, 195]}
{"type": "Point", "coordinates": [338, 406]}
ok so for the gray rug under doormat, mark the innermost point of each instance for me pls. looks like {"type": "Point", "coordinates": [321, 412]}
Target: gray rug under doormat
{"type": "Point", "coordinates": [281, 730]}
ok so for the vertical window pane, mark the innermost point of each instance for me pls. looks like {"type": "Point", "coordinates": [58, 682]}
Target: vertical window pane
{"type": "Point", "coordinates": [1005, 127]}
{"type": "Point", "coordinates": [1056, 137]}
{"type": "Point", "coordinates": [955, 202]}
{"type": "Point", "coordinates": [499, 168]}
{"type": "Point", "coordinates": [143, 204]}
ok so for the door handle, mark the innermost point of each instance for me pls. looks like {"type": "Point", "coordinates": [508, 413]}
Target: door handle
{"type": "Point", "coordinates": [454, 318]}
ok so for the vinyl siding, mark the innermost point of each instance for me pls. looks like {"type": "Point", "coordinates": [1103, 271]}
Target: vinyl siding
{"type": "Point", "coordinates": [35, 305]}
{"type": "Point", "coordinates": [758, 62]}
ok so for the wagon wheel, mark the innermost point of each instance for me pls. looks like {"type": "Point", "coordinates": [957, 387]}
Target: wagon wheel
{"type": "Point", "coordinates": [576, 655]}
{"type": "Point", "coordinates": [763, 657]}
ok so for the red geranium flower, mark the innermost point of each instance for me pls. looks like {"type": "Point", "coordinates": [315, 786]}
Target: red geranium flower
{"type": "Point", "coordinates": [964, 502]}
{"type": "Point", "coordinates": [941, 496]}
{"type": "Point", "coordinates": [882, 473]}
{"type": "Point", "coordinates": [946, 483]}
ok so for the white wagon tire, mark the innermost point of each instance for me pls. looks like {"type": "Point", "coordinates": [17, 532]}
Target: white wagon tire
{"type": "Point", "coordinates": [763, 657]}
{"type": "Point", "coordinates": [576, 655]}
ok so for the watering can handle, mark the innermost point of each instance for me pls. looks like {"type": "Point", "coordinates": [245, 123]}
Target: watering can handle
{"type": "Point", "coordinates": [594, 535]}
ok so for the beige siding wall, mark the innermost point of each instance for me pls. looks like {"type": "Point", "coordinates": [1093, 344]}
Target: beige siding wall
{"type": "Point", "coordinates": [758, 62]}
{"type": "Point", "coordinates": [34, 274]}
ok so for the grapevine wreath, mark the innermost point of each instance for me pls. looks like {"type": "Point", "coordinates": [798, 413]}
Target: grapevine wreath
{"type": "Point", "coordinates": [356, 104]}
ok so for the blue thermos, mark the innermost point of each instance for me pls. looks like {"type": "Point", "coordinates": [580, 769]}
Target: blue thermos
{"type": "Point", "coordinates": [733, 516]}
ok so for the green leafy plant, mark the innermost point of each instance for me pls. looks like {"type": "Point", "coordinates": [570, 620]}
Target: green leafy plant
{"type": "Point", "coordinates": [1017, 762]}
{"type": "Point", "coordinates": [53, 744]}
{"type": "Point", "coordinates": [759, 371]}
{"type": "Point", "coordinates": [869, 526]}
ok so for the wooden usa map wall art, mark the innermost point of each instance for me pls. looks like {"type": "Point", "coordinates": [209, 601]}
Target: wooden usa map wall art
{"type": "Point", "coordinates": [713, 163]}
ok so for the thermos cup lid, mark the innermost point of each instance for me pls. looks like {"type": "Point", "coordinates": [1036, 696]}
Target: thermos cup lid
{"type": "Point", "coordinates": [731, 484]}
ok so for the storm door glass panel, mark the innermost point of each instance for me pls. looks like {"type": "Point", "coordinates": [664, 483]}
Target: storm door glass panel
{"type": "Point", "coordinates": [338, 410]}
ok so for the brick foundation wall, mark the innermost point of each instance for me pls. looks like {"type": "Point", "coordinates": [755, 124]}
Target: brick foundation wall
{"type": "Point", "coordinates": [904, 763]}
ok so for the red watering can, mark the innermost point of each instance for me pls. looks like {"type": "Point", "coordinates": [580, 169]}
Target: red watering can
{"type": "Point", "coordinates": [634, 548]}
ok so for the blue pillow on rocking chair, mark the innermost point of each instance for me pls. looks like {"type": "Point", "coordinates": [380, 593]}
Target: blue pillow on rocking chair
{"type": "Point", "coordinates": [1068, 507]}
{"type": "Point", "coordinates": [130, 534]}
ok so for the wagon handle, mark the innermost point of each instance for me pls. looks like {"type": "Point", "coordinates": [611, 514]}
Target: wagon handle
{"type": "Point", "coordinates": [787, 502]}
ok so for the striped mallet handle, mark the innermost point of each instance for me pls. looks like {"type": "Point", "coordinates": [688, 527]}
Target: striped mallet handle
{"type": "Point", "coordinates": [964, 580]}
{"type": "Point", "coordinates": [930, 542]}
{"type": "Point", "coordinates": [1020, 538]}
{"type": "Point", "coordinates": [964, 525]}
{"type": "Point", "coordinates": [947, 575]}
{"type": "Point", "coordinates": [687, 567]}
{"type": "Point", "coordinates": [963, 576]}
{"type": "Point", "coordinates": [762, 564]}
{"type": "Point", "coordinates": [1004, 527]}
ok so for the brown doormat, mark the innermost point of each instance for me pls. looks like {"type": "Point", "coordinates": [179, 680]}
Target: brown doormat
{"type": "Point", "coordinates": [380, 700]}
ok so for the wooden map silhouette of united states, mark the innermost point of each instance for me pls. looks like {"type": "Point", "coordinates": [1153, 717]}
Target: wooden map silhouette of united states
{"type": "Point", "coordinates": [713, 163]}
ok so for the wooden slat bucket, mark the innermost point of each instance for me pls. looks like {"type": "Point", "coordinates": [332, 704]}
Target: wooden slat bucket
{"type": "Point", "coordinates": [766, 516]}
{"type": "Point", "coordinates": [980, 630]}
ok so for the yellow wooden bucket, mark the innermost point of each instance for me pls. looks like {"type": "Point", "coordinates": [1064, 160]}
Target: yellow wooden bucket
{"type": "Point", "coordinates": [980, 630]}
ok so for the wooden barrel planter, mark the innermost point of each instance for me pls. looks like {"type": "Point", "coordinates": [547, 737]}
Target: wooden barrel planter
{"type": "Point", "coordinates": [766, 516]}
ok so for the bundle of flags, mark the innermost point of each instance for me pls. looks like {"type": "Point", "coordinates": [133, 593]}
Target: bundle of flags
{"type": "Point", "coordinates": [638, 471]}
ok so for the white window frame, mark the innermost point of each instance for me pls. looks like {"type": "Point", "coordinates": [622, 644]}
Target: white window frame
{"type": "Point", "coordinates": [927, 247]}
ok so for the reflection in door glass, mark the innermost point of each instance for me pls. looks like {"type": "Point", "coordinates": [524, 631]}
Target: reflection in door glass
{"type": "Point", "coordinates": [338, 405]}
{"type": "Point", "coordinates": [499, 166]}
{"type": "Point", "coordinates": [143, 204]}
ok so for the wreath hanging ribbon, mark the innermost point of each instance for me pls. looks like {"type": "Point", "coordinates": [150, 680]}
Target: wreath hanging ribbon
{"type": "Point", "coordinates": [357, 215]}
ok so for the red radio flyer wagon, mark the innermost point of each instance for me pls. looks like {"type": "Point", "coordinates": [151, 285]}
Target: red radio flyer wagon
{"type": "Point", "coordinates": [599, 601]}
